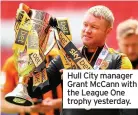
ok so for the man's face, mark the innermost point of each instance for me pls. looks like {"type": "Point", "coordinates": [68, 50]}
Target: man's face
{"type": "Point", "coordinates": [94, 31]}
{"type": "Point", "coordinates": [129, 46]}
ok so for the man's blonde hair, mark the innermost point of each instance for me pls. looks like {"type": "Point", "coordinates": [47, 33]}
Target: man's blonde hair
{"type": "Point", "coordinates": [126, 28]}
{"type": "Point", "coordinates": [104, 12]}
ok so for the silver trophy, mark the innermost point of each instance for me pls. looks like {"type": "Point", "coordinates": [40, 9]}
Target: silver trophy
{"type": "Point", "coordinates": [32, 31]}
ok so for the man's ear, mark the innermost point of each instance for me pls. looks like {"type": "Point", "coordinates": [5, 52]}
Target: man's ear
{"type": "Point", "coordinates": [119, 43]}
{"type": "Point", "coordinates": [109, 30]}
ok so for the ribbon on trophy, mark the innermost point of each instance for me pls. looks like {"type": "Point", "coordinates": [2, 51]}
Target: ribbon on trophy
{"type": "Point", "coordinates": [64, 26]}
{"type": "Point", "coordinates": [22, 29]}
{"type": "Point", "coordinates": [40, 22]}
{"type": "Point", "coordinates": [33, 32]}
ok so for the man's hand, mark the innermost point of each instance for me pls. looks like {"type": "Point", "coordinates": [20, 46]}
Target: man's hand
{"type": "Point", "coordinates": [61, 71]}
{"type": "Point", "coordinates": [47, 105]}
{"type": "Point", "coordinates": [53, 103]}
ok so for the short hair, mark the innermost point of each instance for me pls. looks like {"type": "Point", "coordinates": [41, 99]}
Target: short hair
{"type": "Point", "coordinates": [127, 28]}
{"type": "Point", "coordinates": [104, 12]}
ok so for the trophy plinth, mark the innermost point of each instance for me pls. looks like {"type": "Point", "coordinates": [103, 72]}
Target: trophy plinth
{"type": "Point", "coordinates": [19, 96]}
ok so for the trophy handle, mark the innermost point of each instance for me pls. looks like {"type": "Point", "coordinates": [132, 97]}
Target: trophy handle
{"type": "Point", "coordinates": [50, 48]}
{"type": "Point", "coordinates": [19, 95]}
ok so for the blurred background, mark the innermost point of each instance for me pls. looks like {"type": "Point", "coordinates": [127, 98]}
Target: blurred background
{"type": "Point", "coordinates": [73, 10]}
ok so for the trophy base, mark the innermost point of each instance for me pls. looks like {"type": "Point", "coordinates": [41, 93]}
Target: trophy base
{"type": "Point", "coordinates": [19, 96]}
{"type": "Point", "coordinates": [18, 100]}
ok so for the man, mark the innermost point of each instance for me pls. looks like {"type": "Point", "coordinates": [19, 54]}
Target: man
{"type": "Point", "coordinates": [11, 82]}
{"type": "Point", "coordinates": [127, 37]}
{"type": "Point", "coordinates": [97, 24]}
